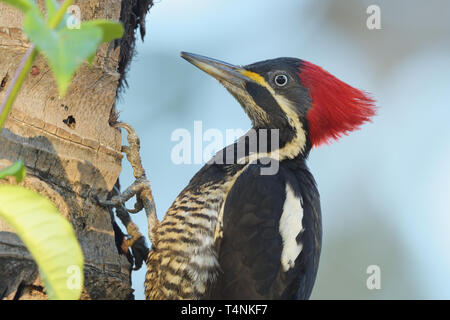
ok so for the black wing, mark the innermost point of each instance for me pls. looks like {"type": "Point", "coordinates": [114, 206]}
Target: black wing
{"type": "Point", "coordinates": [250, 251]}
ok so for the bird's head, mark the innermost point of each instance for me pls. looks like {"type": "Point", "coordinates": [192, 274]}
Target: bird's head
{"type": "Point", "coordinates": [307, 104]}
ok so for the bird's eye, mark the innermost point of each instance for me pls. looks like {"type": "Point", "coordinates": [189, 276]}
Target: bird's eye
{"type": "Point", "coordinates": [281, 80]}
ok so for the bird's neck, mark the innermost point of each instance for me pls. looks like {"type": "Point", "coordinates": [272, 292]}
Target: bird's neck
{"type": "Point", "coordinates": [288, 143]}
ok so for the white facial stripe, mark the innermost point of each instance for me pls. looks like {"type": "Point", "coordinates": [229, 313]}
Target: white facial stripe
{"type": "Point", "coordinates": [290, 227]}
{"type": "Point", "coordinates": [292, 148]}
{"type": "Point", "coordinates": [297, 145]}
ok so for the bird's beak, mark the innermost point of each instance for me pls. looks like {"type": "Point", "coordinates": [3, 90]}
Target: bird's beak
{"type": "Point", "coordinates": [222, 71]}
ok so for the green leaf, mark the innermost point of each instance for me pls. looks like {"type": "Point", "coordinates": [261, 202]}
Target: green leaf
{"type": "Point", "coordinates": [23, 5]}
{"type": "Point", "coordinates": [65, 49]}
{"type": "Point", "coordinates": [111, 30]}
{"type": "Point", "coordinates": [16, 170]}
{"type": "Point", "coordinates": [48, 236]}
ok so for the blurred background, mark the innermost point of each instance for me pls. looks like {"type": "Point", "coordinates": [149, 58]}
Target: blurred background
{"type": "Point", "coordinates": [384, 189]}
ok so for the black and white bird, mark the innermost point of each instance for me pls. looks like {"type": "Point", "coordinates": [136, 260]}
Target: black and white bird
{"type": "Point", "coordinates": [248, 225]}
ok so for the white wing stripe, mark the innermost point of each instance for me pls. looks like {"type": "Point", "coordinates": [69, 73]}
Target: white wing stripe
{"type": "Point", "coordinates": [290, 227]}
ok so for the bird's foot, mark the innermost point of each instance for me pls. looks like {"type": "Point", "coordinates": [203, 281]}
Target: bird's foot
{"type": "Point", "coordinates": [135, 240]}
{"type": "Point", "coordinates": [119, 199]}
{"type": "Point", "coordinates": [144, 199]}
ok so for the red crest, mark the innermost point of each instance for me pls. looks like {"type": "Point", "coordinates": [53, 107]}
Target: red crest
{"type": "Point", "coordinates": [337, 108]}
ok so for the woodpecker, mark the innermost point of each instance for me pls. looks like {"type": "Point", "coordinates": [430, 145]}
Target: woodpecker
{"type": "Point", "coordinates": [235, 232]}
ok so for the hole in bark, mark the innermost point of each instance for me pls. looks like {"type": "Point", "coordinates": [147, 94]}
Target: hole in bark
{"type": "Point", "coordinates": [34, 71]}
{"type": "Point", "coordinates": [4, 82]}
{"type": "Point", "coordinates": [70, 122]}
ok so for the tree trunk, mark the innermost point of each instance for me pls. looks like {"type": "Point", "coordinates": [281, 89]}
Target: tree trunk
{"type": "Point", "coordinates": [70, 150]}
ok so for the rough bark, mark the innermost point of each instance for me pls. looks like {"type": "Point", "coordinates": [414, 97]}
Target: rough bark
{"type": "Point", "coordinates": [70, 151]}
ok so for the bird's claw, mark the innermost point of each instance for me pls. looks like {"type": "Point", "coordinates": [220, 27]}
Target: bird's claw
{"type": "Point", "coordinates": [139, 251]}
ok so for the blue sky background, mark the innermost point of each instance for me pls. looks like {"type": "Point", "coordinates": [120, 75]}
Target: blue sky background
{"type": "Point", "coordinates": [384, 189]}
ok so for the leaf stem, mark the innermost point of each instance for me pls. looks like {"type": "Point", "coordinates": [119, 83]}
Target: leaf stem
{"type": "Point", "coordinates": [19, 76]}
{"type": "Point", "coordinates": [56, 19]}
